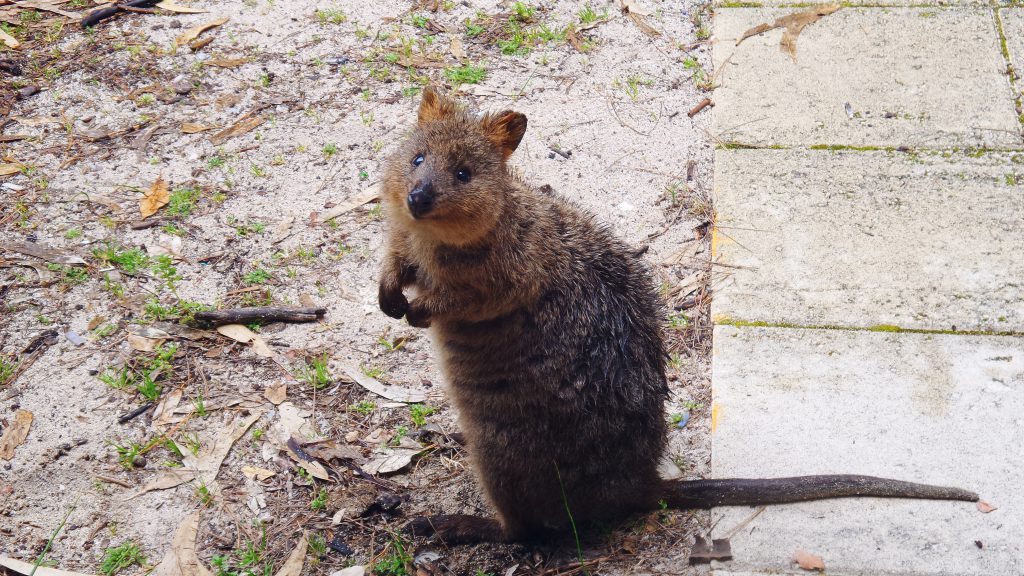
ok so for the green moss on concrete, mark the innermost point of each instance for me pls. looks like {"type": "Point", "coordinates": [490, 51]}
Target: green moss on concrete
{"type": "Point", "coordinates": [1018, 106]}
{"type": "Point", "coordinates": [889, 328]}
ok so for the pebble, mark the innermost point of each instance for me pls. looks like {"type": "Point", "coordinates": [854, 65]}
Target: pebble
{"type": "Point", "coordinates": [181, 85]}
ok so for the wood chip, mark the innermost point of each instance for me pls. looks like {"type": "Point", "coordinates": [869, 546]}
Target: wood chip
{"type": "Point", "coordinates": [11, 169]}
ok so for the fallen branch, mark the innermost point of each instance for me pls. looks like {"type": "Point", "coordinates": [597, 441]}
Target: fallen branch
{"type": "Point", "coordinates": [700, 106]}
{"type": "Point", "coordinates": [265, 314]}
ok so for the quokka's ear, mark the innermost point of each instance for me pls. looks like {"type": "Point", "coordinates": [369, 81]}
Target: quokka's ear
{"type": "Point", "coordinates": [505, 129]}
{"type": "Point", "coordinates": [434, 106]}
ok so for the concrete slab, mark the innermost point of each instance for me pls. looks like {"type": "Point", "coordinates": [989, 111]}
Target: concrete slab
{"type": "Point", "coordinates": [863, 239]}
{"type": "Point", "coordinates": [911, 76]}
{"type": "Point", "coordinates": [934, 408]}
{"type": "Point", "coordinates": [730, 4]}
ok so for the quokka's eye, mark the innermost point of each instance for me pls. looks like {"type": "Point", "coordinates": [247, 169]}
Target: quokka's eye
{"type": "Point", "coordinates": [463, 175]}
{"type": "Point", "coordinates": [417, 160]}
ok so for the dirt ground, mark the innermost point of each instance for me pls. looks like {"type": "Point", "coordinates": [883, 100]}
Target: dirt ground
{"type": "Point", "coordinates": [261, 128]}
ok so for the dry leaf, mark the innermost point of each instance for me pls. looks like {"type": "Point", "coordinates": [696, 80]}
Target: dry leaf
{"type": "Point", "coordinates": [306, 461]}
{"type": "Point", "coordinates": [15, 434]}
{"type": "Point", "coordinates": [172, 7]}
{"type": "Point", "coordinates": [209, 459]}
{"type": "Point", "coordinates": [50, 7]}
{"type": "Point", "coordinates": [245, 124]}
{"type": "Point", "coordinates": [9, 40]}
{"type": "Point", "coordinates": [642, 24]}
{"type": "Point", "coordinates": [181, 558]}
{"type": "Point", "coordinates": [194, 32]}
{"type": "Point", "coordinates": [985, 507]}
{"type": "Point", "coordinates": [292, 422]}
{"type": "Point", "coordinates": [10, 169]}
{"type": "Point", "coordinates": [396, 393]}
{"type": "Point", "coordinates": [794, 24]}
{"type": "Point", "coordinates": [808, 561]}
{"type": "Point", "coordinates": [392, 461]}
{"type": "Point", "coordinates": [205, 464]}
{"type": "Point", "coordinates": [43, 253]}
{"type": "Point", "coordinates": [283, 229]}
{"type": "Point", "coordinates": [355, 571]}
{"type": "Point", "coordinates": [293, 565]}
{"type": "Point", "coordinates": [276, 393]}
{"type": "Point", "coordinates": [26, 568]}
{"type": "Point", "coordinates": [254, 473]}
{"type": "Point", "coordinates": [163, 414]}
{"type": "Point", "coordinates": [240, 333]}
{"type": "Point", "coordinates": [226, 62]}
{"type": "Point", "coordinates": [157, 197]}
{"type": "Point", "coordinates": [457, 50]}
{"type": "Point", "coordinates": [194, 128]}
{"type": "Point", "coordinates": [630, 7]}
{"type": "Point", "coordinates": [143, 344]}
{"type": "Point", "coordinates": [368, 195]}
{"type": "Point", "coordinates": [166, 479]}
{"type": "Point", "coordinates": [148, 332]}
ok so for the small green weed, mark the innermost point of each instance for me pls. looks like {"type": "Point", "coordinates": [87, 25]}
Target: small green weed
{"type": "Point", "coordinates": [182, 202]}
{"type": "Point", "coordinates": [120, 557]}
{"type": "Point", "coordinates": [315, 373]}
{"type": "Point", "coordinates": [8, 366]}
{"type": "Point", "coordinates": [256, 276]}
{"type": "Point", "coordinates": [331, 16]}
{"type": "Point", "coordinates": [397, 559]}
{"type": "Point", "coordinates": [319, 501]}
{"type": "Point", "coordinates": [364, 407]}
{"type": "Point", "coordinates": [131, 261]}
{"type": "Point", "coordinates": [418, 414]}
{"type": "Point", "coordinates": [465, 74]}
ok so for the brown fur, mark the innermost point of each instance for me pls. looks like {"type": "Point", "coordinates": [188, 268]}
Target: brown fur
{"type": "Point", "coordinates": [549, 333]}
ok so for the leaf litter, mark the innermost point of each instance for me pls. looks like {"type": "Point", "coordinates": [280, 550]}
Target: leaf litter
{"type": "Point", "coordinates": [794, 25]}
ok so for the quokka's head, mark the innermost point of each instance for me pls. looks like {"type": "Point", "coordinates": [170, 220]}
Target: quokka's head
{"type": "Point", "coordinates": [450, 177]}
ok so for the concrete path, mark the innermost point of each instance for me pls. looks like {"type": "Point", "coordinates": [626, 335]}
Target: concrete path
{"type": "Point", "coordinates": [869, 301]}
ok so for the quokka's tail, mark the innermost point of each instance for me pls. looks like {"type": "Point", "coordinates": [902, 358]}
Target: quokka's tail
{"type": "Point", "coordinates": [741, 491]}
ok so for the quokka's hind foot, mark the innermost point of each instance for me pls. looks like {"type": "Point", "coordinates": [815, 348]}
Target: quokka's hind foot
{"type": "Point", "coordinates": [457, 528]}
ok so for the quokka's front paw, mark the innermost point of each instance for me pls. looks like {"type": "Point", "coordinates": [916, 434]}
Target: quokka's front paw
{"type": "Point", "coordinates": [392, 302]}
{"type": "Point", "coordinates": [417, 316]}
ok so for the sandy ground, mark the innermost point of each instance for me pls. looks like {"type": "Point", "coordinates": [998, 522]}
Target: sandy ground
{"type": "Point", "coordinates": [330, 90]}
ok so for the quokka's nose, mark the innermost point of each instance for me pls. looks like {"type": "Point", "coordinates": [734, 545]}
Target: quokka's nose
{"type": "Point", "coordinates": [421, 199]}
